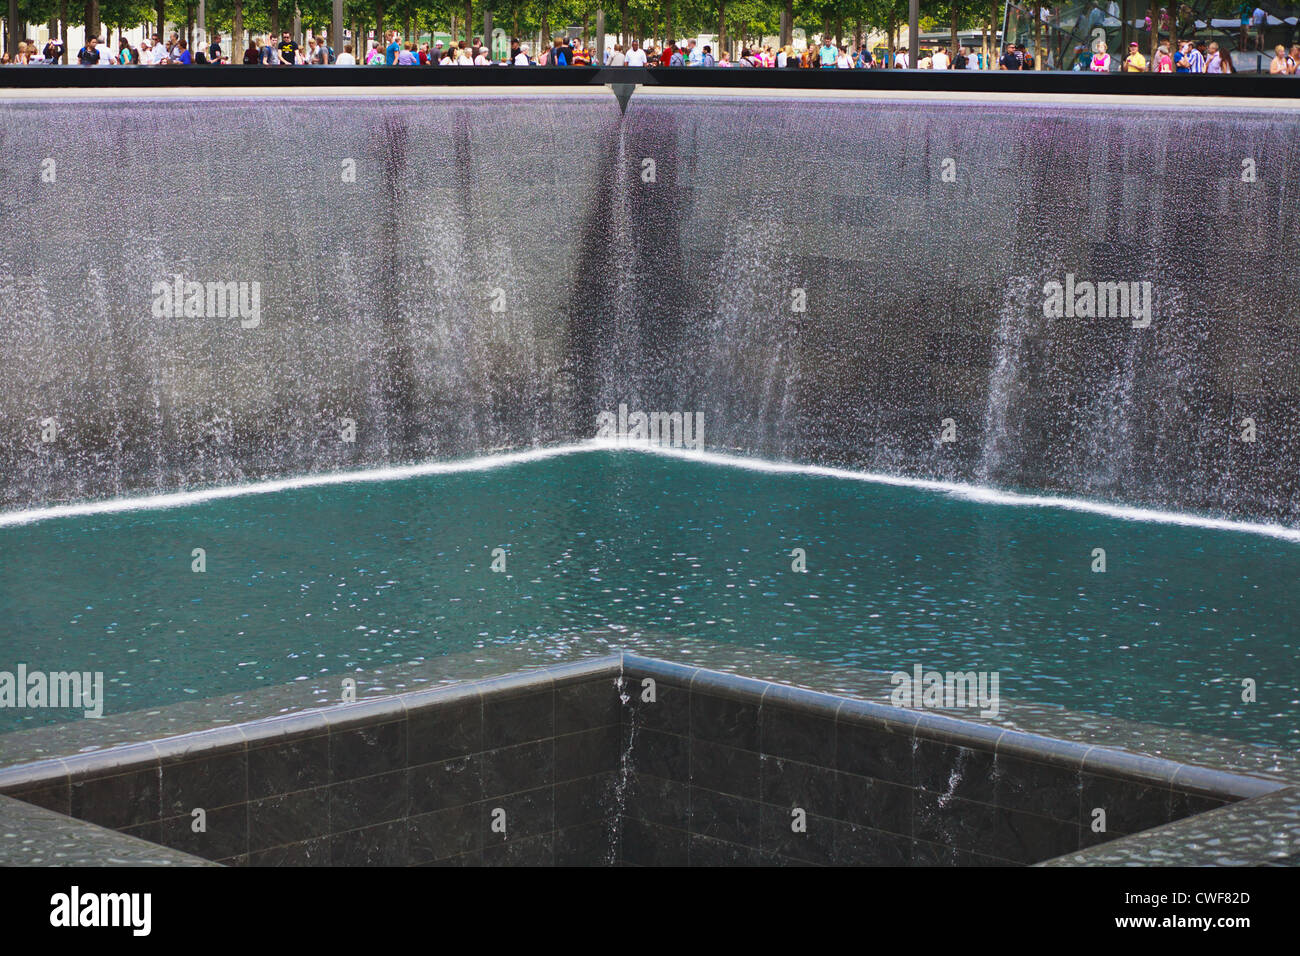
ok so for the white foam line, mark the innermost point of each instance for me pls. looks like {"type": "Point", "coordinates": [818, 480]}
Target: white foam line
{"type": "Point", "coordinates": [181, 499]}
{"type": "Point", "coordinates": [977, 493]}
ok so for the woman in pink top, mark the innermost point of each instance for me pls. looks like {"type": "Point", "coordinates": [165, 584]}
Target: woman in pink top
{"type": "Point", "coordinates": [1100, 59]}
{"type": "Point", "coordinates": [1164, 63]}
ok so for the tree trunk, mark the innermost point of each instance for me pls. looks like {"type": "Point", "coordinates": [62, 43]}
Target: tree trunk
{"type": "Point", "coordinates": [668, 30]}
{"type": "Point", "coordinates": [722, 26]}
{"type": "Point", "coordinates": [1038, 36]}
{"type": "Point", "coordinates": [1155, 34]}
{"type": "Point", "coordinates": [237, 39]}
{"type": "Point", "coordinates": [952, 49]}
{"type": "Point", "coordinates": [469, 22]}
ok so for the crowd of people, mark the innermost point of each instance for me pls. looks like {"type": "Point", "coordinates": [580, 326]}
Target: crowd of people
{"type": "Point", "coordinates": [1188, 56]}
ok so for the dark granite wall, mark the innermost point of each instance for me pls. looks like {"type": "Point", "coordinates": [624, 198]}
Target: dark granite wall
{"type": "Point", "coordinates": [718, 764]}
{"type": "Point", "coordinates": [382, 785]}
{"type": "Point", "coordinates": [923, 294]}
{"type": "Point", "coordinates": [590, 772]}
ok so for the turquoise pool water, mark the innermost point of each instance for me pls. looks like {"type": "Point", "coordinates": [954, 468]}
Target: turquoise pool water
{"type": "Point", "coordinates": [325, 580]}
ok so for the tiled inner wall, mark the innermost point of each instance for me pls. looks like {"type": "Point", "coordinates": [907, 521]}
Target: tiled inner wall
{"type": "Point", "coordinates": [720, 763]}
{"type": "Point", "coordinates": [381, 786]}
{"type": "Point", "coordinates": [710, 771]}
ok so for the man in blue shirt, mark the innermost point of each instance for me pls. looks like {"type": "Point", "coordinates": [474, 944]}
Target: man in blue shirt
{"type": "Point", "coordinates": [393, 48]}
{"type": "Point", "coordinates": [828, 54]}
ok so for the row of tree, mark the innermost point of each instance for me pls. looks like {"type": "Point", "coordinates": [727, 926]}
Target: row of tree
{"type": "Point", "coordinates": [849, 21]}
{"type": "Point", "coordinates": [630, 20]}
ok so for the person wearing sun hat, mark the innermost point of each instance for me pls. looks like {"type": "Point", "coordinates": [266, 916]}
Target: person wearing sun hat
{"type": "Point", "coordinates": [1135, 62]}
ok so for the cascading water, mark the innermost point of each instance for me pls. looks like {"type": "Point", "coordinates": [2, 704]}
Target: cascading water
{"type": "Point", "coordinates": [410, 262]}
{"type": "Point", "coordinates": [450, 277]}
{"type": "Point", "coordinates": [615, 798]}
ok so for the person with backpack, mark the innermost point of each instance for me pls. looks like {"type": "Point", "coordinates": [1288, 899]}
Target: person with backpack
{"type": "Point", "coordinates": [707, 58]}
{"type": "Point", "coordinates": [88, 55]}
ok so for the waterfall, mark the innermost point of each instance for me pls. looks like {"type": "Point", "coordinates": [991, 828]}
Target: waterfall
{"type": "Point", "coordinates": [455, 275]}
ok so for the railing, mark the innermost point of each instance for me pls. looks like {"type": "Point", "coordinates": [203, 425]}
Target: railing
{"type": "Point", "coordinates": [922, 81]}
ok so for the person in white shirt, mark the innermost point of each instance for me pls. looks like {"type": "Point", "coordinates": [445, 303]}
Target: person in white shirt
{"type": "Point", "coordinates": [617, 58]}
{"type": "Point", "coordinates": [940, 60]}
{"type": "Point", "coordinates": [482, 59]}
{"type": "Point", "coordinates": [158, 55]}
{"type": "Point", "coordinates": [901, 60]}
{"type": "Point", "coordinates": [843, 61]}
{"type": "Point", "coordinates": [636, 56]}
{"type": "Point", "coordinates": [346, 58]}
{"type": "Point", "coordinates": [521, 58]}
